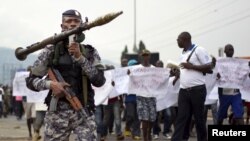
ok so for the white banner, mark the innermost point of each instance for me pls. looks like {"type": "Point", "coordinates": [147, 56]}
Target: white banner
{"type": "Point", "coordinates": [37, 97]}
{"type": "Point", "coordinates": [114, 93]}
{"type": "Point", "coordinates": [213, 95]}
{"type": "Point", "coordinates": [245, 91]}
{"type": "Point", "coordinates": [233, 72]}
{"type": "Point", "coordinates": [210, 84]}
{"type": "Point", "coordinates": [102, 93]}
{"type": "Point", "coordinates": [148, 81]}
{"type": "Point", "coordinates": [20, 89]}
{"type": "Point", "coordinates": [19, 84]}
{"type": "Point", "coordinates": [171, 96]}
{"type": "Point", "coordinates": [121, 79]}
{"type": "Point", "coordinates": [154, 82]}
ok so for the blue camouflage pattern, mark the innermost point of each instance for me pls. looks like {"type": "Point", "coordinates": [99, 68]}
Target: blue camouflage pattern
{"type": "Point", "coordinates": [60, 124]}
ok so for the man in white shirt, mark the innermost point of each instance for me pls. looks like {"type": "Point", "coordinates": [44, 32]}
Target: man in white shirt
{"type": "Point", "coordinates": [195, 61]}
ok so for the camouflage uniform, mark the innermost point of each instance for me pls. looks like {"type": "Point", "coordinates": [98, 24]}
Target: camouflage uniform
{"type": "Point", "coordinates": [60, 123]}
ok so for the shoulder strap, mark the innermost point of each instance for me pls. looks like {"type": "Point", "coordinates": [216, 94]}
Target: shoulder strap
{"type": "Point", "coordinates": [84, 51]}
{"type": "Point", "coordinates": [191, 54]}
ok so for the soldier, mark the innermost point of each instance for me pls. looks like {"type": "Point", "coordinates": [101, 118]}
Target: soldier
{"type": "Point", "coordinates": [77, 63]}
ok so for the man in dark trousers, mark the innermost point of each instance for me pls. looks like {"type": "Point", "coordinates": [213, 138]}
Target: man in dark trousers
{"type": "Point", "coordinates": [194, 62]}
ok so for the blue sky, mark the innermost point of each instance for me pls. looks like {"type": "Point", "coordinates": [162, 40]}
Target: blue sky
{"type": "Point", "coordinates": [212, 23]}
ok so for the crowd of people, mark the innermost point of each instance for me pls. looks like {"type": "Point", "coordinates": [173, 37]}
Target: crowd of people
{"type": "Point", "coordinates": [79, 66]}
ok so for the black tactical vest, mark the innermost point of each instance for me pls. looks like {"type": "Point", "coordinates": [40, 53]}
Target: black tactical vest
{"type": "Point", "coordinates": [70, 71]}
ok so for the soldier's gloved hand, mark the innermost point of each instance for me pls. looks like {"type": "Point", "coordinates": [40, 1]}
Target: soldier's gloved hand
{"type": "Point", "coordinates": [58, 88]}
{"type": "Point", "coordinates": [74, 49]}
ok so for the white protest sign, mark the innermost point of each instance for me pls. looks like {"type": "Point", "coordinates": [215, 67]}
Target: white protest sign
{"type": "Point", "coordinates": [20, 89]}
{"type": "Point", "coordinates": [233, 72]}
{"type": "Point", "coordinates": [245, 91]}
{"type": "Point", "coordinates": [148, 81]}
{"type": "Point", "coordinates": [19, 84]}
{"type": "Point", "coordinates": [102, 93]}
{"type": "Point", "coordinates": [213, 95]}
{"type": "Point", "coordinates": [121, 79]}
{"type": "Point", "coordinates": [114, 93]}
{"type": "Point", "coordinates": [37, 97]}
{"type": "Point", "coordinates": [171, 97]}
{"type": "Point", "coordinates": [210, 81]}
{"type": "Point", "coordinates": [210, 84]}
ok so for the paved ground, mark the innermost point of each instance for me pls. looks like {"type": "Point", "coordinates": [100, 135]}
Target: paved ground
{"type": "Point", "coordinates": [13, 130]}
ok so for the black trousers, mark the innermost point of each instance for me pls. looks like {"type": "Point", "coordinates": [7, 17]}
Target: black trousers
{"type": "Point", "coordinates": [191, 102]}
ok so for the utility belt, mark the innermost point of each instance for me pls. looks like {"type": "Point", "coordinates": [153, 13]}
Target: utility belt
{"type": "Point", "coordinates": [194, 88]}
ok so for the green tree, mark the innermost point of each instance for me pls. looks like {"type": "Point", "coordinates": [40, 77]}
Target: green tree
{"type": "Point", "coordinates": [124, 51]}
{"type": "Point", "coordinates": [141, 46]}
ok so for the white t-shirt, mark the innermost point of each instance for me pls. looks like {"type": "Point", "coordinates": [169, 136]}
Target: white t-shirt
{"type": "Point", "coordinates": [147, 95]}
{"type": "Point", "coordinates": [188, 77]}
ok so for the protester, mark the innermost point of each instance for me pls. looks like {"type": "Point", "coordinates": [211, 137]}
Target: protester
{"type": "Point", "coordinates": [156, 126]}
{"type": "Point", "coordinates": [113, 107]}
{"type": "Point", "coordinates": [29, 109]}
{"type": "Point", "coordinates": [78, 65]}
{"type": "Point", "coordinates": [30, 114]}
{"type": "Point", "coordinates": [19, 110]}
{"type": "Point", "coordinates": [132, 122]}
{"type": "Point", "coordinates": [194, 62]}
{"type": "Point", "coordinates": [1, 101]}
{"type": "Point", "coordinates": [247, 104]}
{"type": "Point", "coordinates": [214, 105]}
{"type": "Point", "coordinates": [7, 101]}
{"type": "Point", "coordinates": [41, 109]}
{"type": "Point", "coordinates": [230, 96]}
{"type": "Point", "coordinates": [146, 105]}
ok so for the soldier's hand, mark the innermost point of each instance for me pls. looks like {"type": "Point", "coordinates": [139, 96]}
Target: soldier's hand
{"type": "Point", "coordinates": [58, 88]}
{"type": "Point", "coordinates": [74, 49]}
